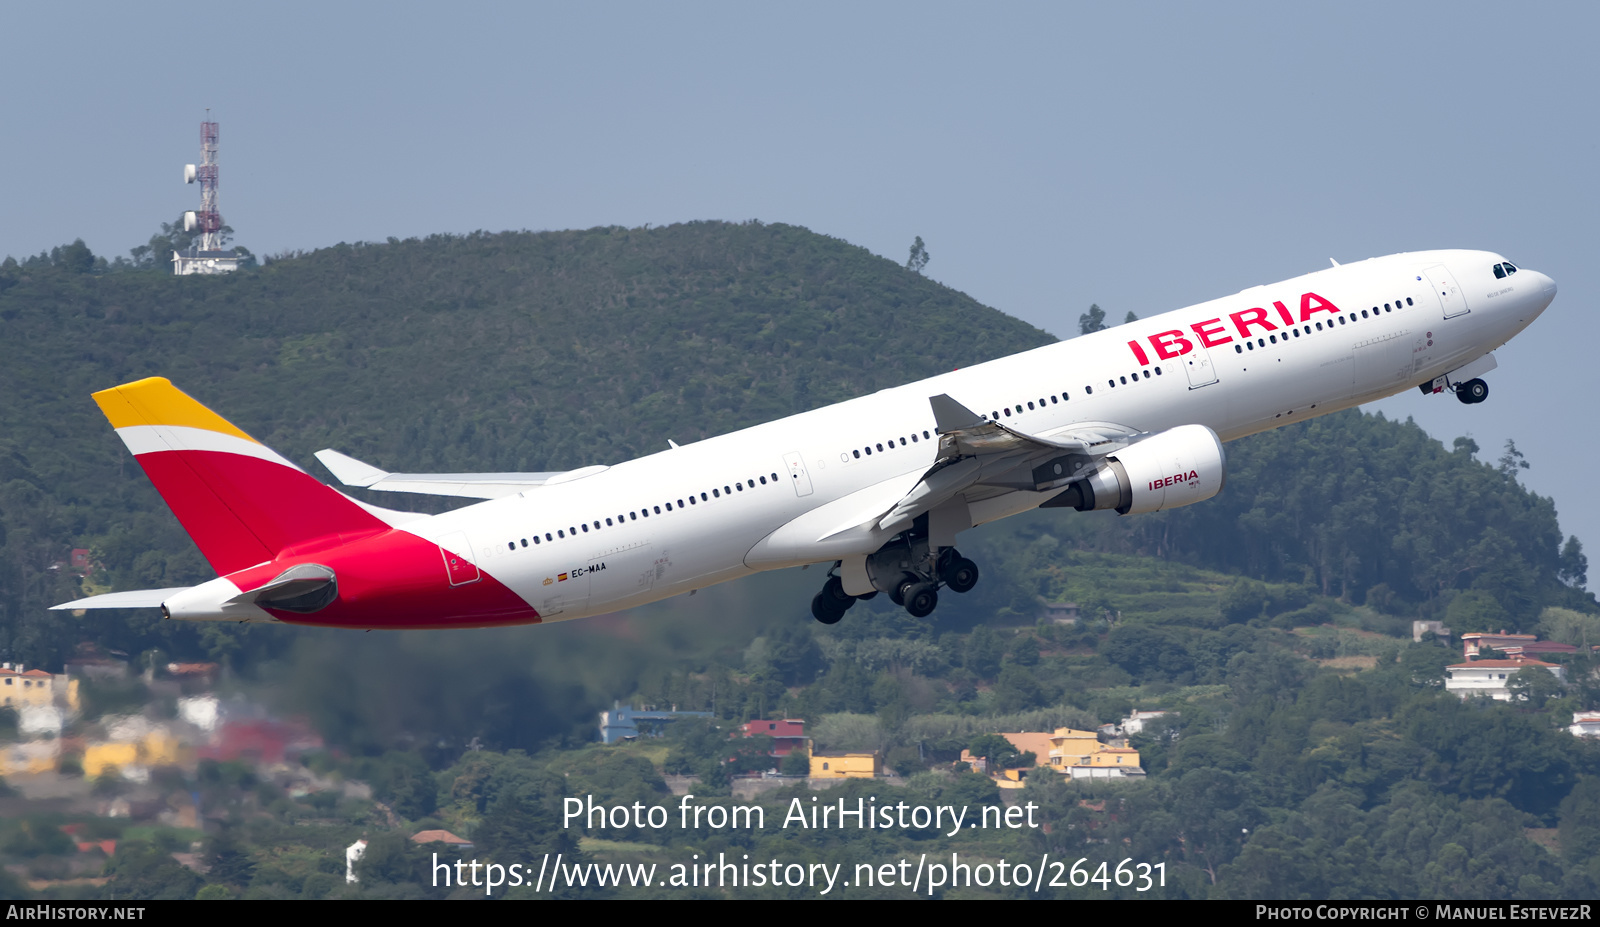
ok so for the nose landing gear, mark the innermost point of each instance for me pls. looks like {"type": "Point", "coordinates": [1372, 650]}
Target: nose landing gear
{"type": "Point", "coordinates": [914, 589]}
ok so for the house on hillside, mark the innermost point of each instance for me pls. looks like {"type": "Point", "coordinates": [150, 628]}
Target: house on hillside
{"type": "Point", "coordinates": [1492, 677]}
{"type": "Point", "coordinates": [1475, 641]}
{"type": "Point", "coordinates": [828, 765]}
{"type": "Point", "coordinates": [1081, 755]}
{"type": "Point", "coordinates": [1135, 722]}
{"type": "Point", "coordinates": [21, 687]}
{"type": "Point", "coordinates": [1585, 724]}
{"type": "Point", "coordinates": [787, 735]}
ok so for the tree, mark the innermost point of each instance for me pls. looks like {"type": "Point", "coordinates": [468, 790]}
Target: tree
{"type": "Point", "coordinates": [1512, 461]}
{"type": "Point", "coordinates": [1092, 321]}
{"type": "Point", "coordinates": [1131, 318]}
{"type": "Point", "coordinates": [1535, 685]}
{"type": "Point", "coordinates": [996, 750]}
{"type": "Point", "coordinates": [918, 258]}
{"type": "Point", "coordinates": [1574, 568]}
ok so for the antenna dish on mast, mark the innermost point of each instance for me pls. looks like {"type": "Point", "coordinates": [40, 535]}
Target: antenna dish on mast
{"type": "Point", "coordinates": [205, 255]}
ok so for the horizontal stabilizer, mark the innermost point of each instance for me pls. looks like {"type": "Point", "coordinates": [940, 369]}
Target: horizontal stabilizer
{"type": "Point", "coordinates": [135, 598]}
{"type": "Point", "coordinates": [352, 472]}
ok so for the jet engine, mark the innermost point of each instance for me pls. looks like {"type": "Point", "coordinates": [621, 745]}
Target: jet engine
{"type": "Point", "coordinates": [1181, 466]}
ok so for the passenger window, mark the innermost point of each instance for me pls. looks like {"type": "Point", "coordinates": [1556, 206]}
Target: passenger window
{"type": "Point", "coordinates": [608, 522]}
{"type": "Point", "coordinates": [561, 534]}
{"type": "Point", "coordinates": [857, 453]}
{"type": "Point", "coordinates": [880, 447]}
{"type": "Point", "coordinates": [703, 497]}
{"type": "Point", "coordinates": [994, 414]}
{"type": "Point", "coordinates": [739, 487]}
{"type": "Point", "coordinates": [774, 477]}
{"type": "Point", "coordinates": [1158, 371]}
{"type": "Point", "coordinates": [1008, 411]}
{"type": "Point", "coordinates": [511, 545]}
{"type": "Point", "coordinates": [1408, 301]}
{"type": "Point", "coordinates": [1054, 400]}
{"type": "Point", "coordinates": [1112, 383]}
{"type": "Point", "coordinates": [585, 529]}
{"type": "Point", "coordinates": [913, 438]}
{"type": "Point", "coordinates": [727, 491]}
{"type": "Point", "coordinates": [1250, 345]}
{"type": "Point", "coordinates": [869, 452]}
{"type": "Point", "coordinates": [547, 536]}
{"type": "Point", "coordinates": [1341, 320]}
{"type": "Point", "coordinates": [1238, 350]}
{"type": "Point", "coordinates": [925, 436]}
{"type": "Point", "coordinates": [658, 510]}
{"type": "Point", "coordinates": [1273, 338]}
{"type": "Point", "coordinates": [1296, 332]}
{"type": "Point", "coordinates": [536, 539]}
{"type": "Point", "coordinates": [524, 542]}
{"type": "Point", "coordinates": [1147, 374]}
{"type": "Point", "coordinates": [1088, 390]}
{"type": "Point", "coordinates": [1030, 407]}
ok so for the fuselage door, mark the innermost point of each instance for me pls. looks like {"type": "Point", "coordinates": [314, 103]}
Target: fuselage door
{"type": "Point", "coordinates": [458, 559]}
{"type": "Point", "coordinates": [797, 473]}
{"type": "Point", "coordinates": [1450, 296]}
{"type": "Point", "coordinates": [1197, 363]}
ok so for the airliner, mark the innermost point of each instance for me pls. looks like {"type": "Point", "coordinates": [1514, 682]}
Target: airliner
{"type": "Point", "coordinates": [1131, 419]}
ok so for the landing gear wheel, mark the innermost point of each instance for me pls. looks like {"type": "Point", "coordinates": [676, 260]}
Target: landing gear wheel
{"type": "Point", "coordinates": [829, 605]}
{"type": "Point", "coordinates": [897, 591]}
{"type": "Point", "coordinates": [1472, 392]}
{"type": "Point", "coordinates": [921, 599]}
{"type": "Point", "coordinates": [826, 609]}
{"type": "Point", "coordinates": [961, 575]}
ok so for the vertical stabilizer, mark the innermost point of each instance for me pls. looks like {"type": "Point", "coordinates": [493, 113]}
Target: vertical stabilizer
{"type": "Point", "coordinates": [241, 502]}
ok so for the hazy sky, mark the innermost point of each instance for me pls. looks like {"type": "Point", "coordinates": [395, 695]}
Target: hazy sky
{"type": "Point", "coordinates": [1051, 155]}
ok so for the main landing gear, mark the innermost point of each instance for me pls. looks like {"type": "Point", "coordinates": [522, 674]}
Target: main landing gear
{"type": "Point", "coordinates": [914, 589]}
{"type": "Point", "coordinates": [1472, 392]}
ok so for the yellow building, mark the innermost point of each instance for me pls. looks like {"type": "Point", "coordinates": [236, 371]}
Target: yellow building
{"type": "Point", "coordinates": [99, 758]}
{"type": "Point", "coordinates": [845, 765]}
{"type": "Point", "coordinates": [157, 748]}
{"type": "Point", "coordinates": [1080, 753]}
{"type": "Point", "coordinates": [19, 688]}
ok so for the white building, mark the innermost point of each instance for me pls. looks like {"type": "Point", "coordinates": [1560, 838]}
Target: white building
{"type": "Point", "coordinates": [1585, 724]}
{"type": "Point", "coordinates": [1492, 677]}
{"type": "Point", "coordinates": [1134, 723]}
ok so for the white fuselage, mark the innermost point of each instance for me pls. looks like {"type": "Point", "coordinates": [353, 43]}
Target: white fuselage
{"type": "Point", "coordinates": [763, 498]}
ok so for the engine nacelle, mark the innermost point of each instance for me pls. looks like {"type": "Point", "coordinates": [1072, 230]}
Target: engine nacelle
{"type": "Point", "coordinates": [1181, 466]}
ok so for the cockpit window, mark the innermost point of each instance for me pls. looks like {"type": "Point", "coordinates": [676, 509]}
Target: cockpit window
{"type": "Point", "coordinates": [1499, 270]}
{"type": "Point", "coordinates": [1510, 268]}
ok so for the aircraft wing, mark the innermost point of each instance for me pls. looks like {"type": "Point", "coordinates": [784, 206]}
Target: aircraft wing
{"type": "Point", "coordinates": [979, 458]}
{"type": "Point", "coordinates": [352, 472]}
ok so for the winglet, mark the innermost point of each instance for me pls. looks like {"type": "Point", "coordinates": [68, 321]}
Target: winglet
{"type": "Point", "coordinates": [348, 470]}
{"type": "Point", "coordinates": [949, 415]}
